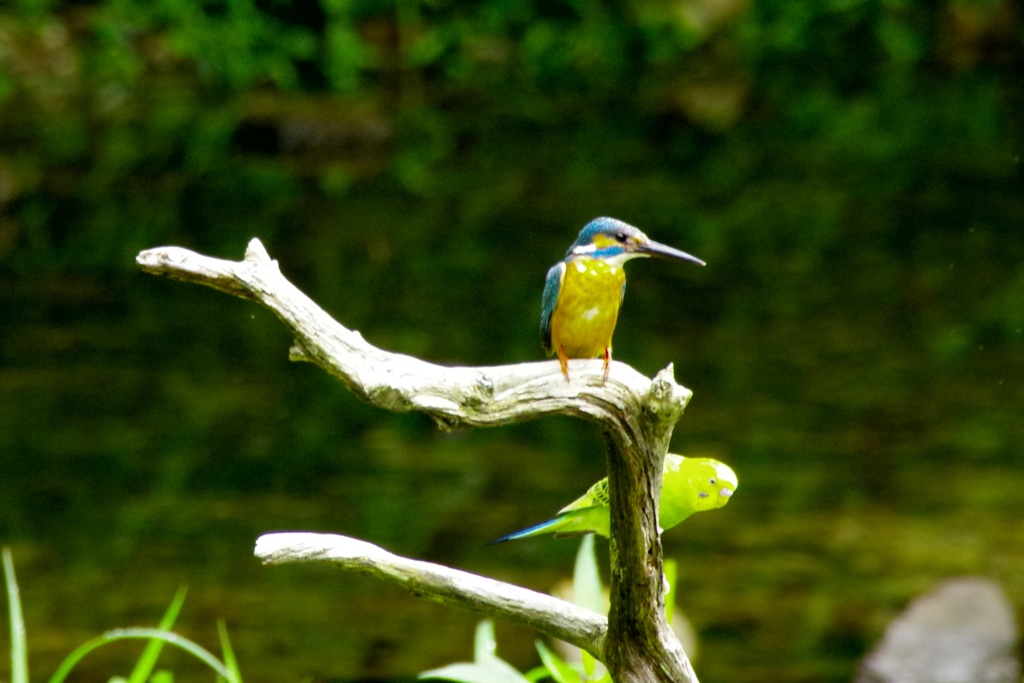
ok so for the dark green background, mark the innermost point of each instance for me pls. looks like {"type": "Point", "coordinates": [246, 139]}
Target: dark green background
{"type": "Point", "coordinates": [849, 169]}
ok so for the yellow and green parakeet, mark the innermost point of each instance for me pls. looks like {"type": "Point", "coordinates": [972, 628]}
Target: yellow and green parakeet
{"type": "Point", "coordinates": [689, 485]}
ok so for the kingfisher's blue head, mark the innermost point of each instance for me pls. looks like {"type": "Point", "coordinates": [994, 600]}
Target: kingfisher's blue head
{"type": "Point", "coordinates": [612, 240]}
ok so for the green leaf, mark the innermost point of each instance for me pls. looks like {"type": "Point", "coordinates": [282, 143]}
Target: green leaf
{"type": "Point", "coordinates": [587, 590]}
{"type": "Point", "coordinates": [671, 574]}
{"type": "Point", "coordinates": [485, 646]}
{"type": "Point", "coordinates": [556, 666]}
{"type": "Point", "coordinates": [589, 663]}
{"type": "Point", "coordinates": [487, 667]}
{"type": "Point", "coordinates": [537, 673]}
{"type": "Point", "coordinates": [477, 673]}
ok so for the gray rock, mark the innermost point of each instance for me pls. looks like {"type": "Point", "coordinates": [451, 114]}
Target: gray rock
{"type": "Point", "coordinates": [964, 631]}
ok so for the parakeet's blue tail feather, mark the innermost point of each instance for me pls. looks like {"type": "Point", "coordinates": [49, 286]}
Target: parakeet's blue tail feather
{"type": "Point", "coordinates": [528, 531]}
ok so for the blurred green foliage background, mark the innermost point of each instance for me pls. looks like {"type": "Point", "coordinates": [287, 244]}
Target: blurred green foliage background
{"type": "Point", "coordinates": [850, 170]}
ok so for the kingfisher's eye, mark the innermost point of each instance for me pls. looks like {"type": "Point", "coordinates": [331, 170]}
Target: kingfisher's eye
{"type": "Point", "coordinates": [621, 236]}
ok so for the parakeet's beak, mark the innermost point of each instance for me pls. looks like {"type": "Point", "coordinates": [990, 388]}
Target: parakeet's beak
{"type": "Point", "coordinates": [725, 493]}
{"type": "Point", "coordinates": [659, 250]}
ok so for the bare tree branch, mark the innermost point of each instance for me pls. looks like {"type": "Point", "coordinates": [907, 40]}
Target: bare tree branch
{"type": "Point", "coordinates": [453, 396]}
{"type": "Point", "coordinates": [544, 613]}
{"type": "Point", "coordinates": [636, 414]}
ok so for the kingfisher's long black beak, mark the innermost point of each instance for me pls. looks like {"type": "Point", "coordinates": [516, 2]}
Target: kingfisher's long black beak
{"type": "Point", "coordinates": [659, 250]}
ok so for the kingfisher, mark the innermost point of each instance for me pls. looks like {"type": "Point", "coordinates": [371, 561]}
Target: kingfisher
{"type": "Point", "coordinates": [583, 292]}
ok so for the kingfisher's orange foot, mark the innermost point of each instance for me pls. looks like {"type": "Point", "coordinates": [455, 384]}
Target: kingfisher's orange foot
{"type": "Point", "coordinates": [563, 360]}
{"type": "Point", "coordinates": [607, 362]}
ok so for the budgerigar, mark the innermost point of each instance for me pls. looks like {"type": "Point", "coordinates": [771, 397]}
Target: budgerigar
{"type": "Point", "coordinates": [689, 485]}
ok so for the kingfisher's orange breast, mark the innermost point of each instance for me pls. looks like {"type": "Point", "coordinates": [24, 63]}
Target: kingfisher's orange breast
{"type": "Point", "coordinates": [588, 307]}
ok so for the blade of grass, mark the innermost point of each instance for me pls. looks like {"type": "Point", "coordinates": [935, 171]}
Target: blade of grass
{"type": "Point", "coordinates": [147, 661]}
{"type": "Point", "coordinates": [192, 648]}
{"type": "Point", "coordinates": [230, 662]}
{"type": "Point", "coordinates": [19, 649]}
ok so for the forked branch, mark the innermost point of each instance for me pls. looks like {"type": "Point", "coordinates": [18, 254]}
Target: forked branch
{"type": "Point", "coordinates": [541, 612]}
{"type": "Point", "coordinates": [636, 414]}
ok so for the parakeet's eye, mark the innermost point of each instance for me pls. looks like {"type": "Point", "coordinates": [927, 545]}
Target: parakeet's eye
{"type": "Point", "coordinates": [712, 481]}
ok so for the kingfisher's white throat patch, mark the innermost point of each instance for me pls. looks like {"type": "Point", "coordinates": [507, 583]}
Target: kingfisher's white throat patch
{"type": "Point", "coordinates": [613, 259]}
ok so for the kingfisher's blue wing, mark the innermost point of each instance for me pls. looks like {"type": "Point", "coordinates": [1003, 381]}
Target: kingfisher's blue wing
{"type": "Point", "coordinates": [552, 287]}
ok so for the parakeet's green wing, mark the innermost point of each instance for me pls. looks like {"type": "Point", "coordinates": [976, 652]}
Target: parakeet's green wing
{"type": "Point", "coordinates": [593, 519]}
{"type": "Point", "coordinates": [595, 495]}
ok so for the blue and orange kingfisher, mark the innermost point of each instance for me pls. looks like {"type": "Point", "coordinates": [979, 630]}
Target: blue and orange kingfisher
{"type": "Point", "coordinates": [583, 292]}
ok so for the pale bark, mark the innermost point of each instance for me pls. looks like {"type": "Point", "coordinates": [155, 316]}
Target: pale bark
{"type": "Point", "coordinates": [575, 625]}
